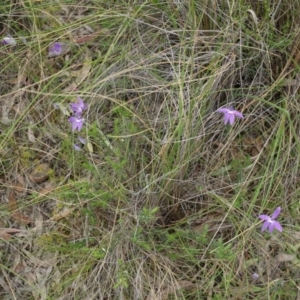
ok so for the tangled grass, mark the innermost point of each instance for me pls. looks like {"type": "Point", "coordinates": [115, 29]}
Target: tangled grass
{"type": "Point", "coordinates": [163, 200]}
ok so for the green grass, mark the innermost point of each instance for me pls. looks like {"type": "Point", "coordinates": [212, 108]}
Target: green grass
{"type": "Point", "coordinates": [163, 201]}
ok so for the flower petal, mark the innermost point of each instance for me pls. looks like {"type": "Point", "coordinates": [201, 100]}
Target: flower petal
{"type": "Point", "coordinates": [264, 217]}
{"type": "Point", "coordinates": [73, 106]}
{"type": "Point", "coordinates": [223, 110]}
{"type": "Point", "coordinates": [57, 48]}
{"type": "Point", "coordinates": [76, 147]}
{"type": "Point", "coordinates": [265, 226]}
{"type": "Point", "coordinates": [226, 118]}
{"type": "Point", "coordinates": [80, 124]}
{"type": "Point", "coordinates": [76, 108]}
{"type": "Point", "coordinates": [276, 213]}
{"type": "Point", "coordinates": [231, 119]}
{"type": "Point", "coordinates": [277, 226]}
{"type": "Point", "coordinates": [72, 119]}
{"type": "Point", "coordinates": [75, 126]}
{"type": "Point", "coordinates": [82, 140]}
{"type": "Point", "coordinates": [271, 227]}
{"type": "Point", "coordinates": [9, 40]}
{"type": "Point", "coordinates": [80, 101]}
{"type": "Point", "coordinates": [238, 114]}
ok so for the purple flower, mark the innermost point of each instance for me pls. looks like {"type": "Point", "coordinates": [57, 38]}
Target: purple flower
{"type": "Point", "coordinates": [82, 140]}
{"type": "Point", "coordinates": [76, 122]}
{"type": "Point", "coordinates": [56, 49]}
{"type": "Point", "coordinates": [9, 40]}
{"type": "Point", "coordinates": [230, 114]}
{"type": "Point", "coordinates": [76, 147]}
{"type": "Point", "coordinates": [270, 222]}
{"type": "Point", "coordinates": [78, 107]}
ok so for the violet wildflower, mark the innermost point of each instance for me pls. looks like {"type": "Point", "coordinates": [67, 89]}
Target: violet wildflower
{"type": "Point", "coordinates": [270, 222]}
{"type": "Point", "coordinates": [77, 122]}
{"type": "Point", "coordinates": [76, 147]}
{"type": "Point", "coordinates": [78, 107]}
{"type": "Point", "coordinates": [230, 114]}
{"type": "Point", "coordinates": [82, 140]}
{"type": "Point", "coordinates": [9, 40]}
{"type": "Point", "coordinates": [56, 49]}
